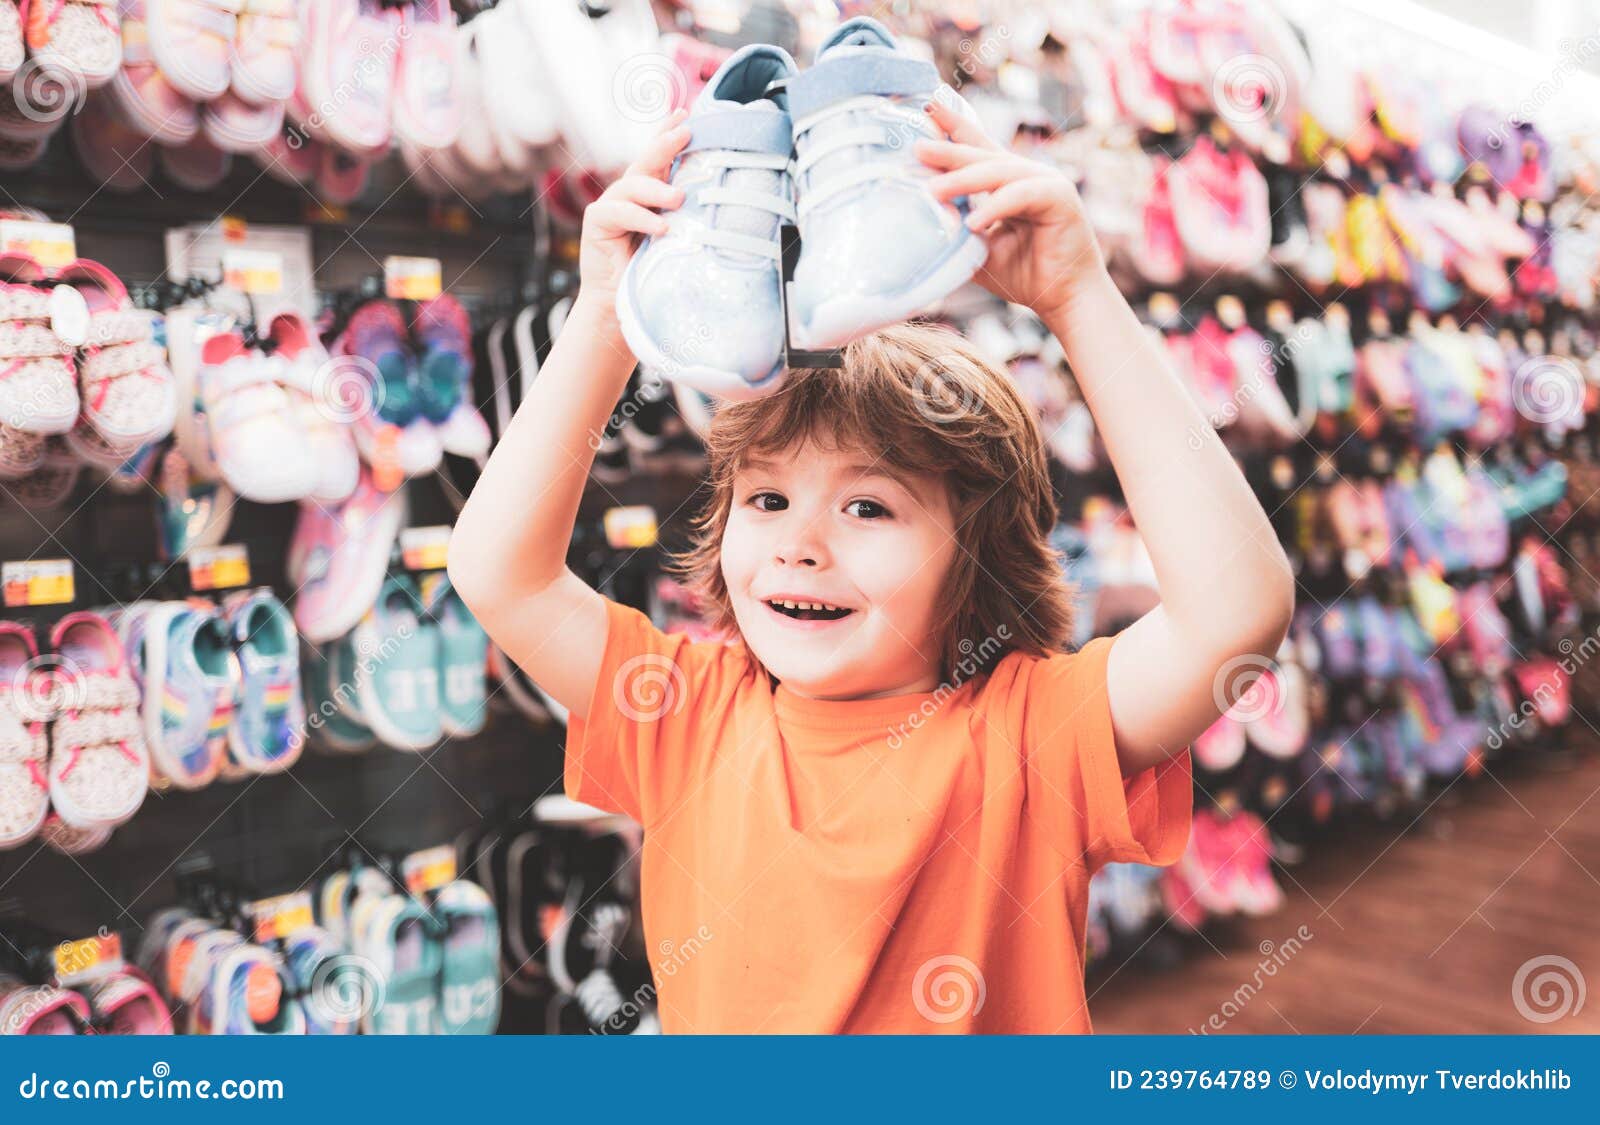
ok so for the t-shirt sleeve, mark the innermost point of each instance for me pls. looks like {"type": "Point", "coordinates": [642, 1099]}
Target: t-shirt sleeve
{"type": "Point", "coordinates": [1076, 790]}
{"type": "Point", "coordinates": [653, 713]}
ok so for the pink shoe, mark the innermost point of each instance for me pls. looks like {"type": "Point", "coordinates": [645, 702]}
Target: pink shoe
{"type": "Point", "coordinates": [337, 559]}
{"type": "Point", "coordinates": [427, 105]}
{"type": "Point", "coordinates": [262, 64]}
{"type": "Point", "coordinates": [234, 125]}
{"type": "Point", "coordinates": [76, 40]}
{"type": "Point", "coordinates": [127, 392]}
{"type": "Point", "coordinates": [38, 382]}
{"type": "Point", "coordinates": [126, 1003]}
{"type": "Point", "coordinates": [197, 166]}
{"type": "Point", "coordinates": [24, 749]}
{"type": "Point", "coordinates": [342, 177]}
{"type": "Point", "coordinates": [191, 41]}
{"type": "Point", "coordinates": [44, 1009]}
{"type": "Point", "coordinates": [99, 765]}
{"type": "Point", "coordinates": [349, 75]}
{"type": "Point", "coordinates": [1157, 252]}
{"type": "Point", "coordinates": [111, 151]}
{"type": "Point", "coordinates": [290, 157]}
{"type": "Point", "coordinates": [323, 407]}
{"type": "Point", "coordinates": [12, 47]}
{"type": "Point", "coordinates": [151, 104]}
{"type": "Point", "coordinates": [1221, 746]}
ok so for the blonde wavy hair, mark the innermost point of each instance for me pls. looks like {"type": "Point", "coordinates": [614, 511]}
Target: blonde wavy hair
{"type": "Point", "coordinates": [924, 399]}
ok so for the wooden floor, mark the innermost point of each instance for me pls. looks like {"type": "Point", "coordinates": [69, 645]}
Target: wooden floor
{"type": "Point", "coordinates": [1419, 931]}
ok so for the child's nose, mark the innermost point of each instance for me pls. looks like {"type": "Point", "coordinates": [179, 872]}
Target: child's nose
{"type": "Point", "coordinates": [800, 548]}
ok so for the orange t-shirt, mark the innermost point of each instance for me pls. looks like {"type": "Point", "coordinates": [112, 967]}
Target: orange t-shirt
{"type": "Point", "coordinates": [911, 864]}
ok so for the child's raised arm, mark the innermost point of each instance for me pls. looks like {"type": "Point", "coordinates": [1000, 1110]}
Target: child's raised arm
{"type": "Point", "coordinates": [1227, 593]}
{"type": "Point", "coordinates": [508, 552]}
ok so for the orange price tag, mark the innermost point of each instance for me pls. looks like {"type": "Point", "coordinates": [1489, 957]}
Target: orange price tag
{"type": "Point", "coordinates": [429, 869]}
{"type": "Point", "coordinates": [52, 245]}
{"type": "Point", "coordinates": [219, 568]}
{"type": "Point", "coordinates": [411, 279]}
{"type": "Point", "coordinates": [234, 229]}
{"type": "Point", "coordinates": [281, 916]}
{"type": "Point", "coordinates": [632, 526]}
{"type": "Point", "coordinates": [424, 548]}
{"type": "Point", "coordinates": [37, 582]}
{"type": "Point", "coordinates": [257, 272]}
{"type": "Point", "coordinates": [386, 471]}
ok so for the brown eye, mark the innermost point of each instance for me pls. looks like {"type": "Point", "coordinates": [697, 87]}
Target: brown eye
{"type": "Point", "coordinates": [768, 502]}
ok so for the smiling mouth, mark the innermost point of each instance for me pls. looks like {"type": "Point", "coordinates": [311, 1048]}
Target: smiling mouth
{"type": "Point", "coordinates": [809, 611]}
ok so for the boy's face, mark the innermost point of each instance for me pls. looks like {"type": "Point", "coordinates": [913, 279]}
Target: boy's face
{"type": "Point", "coordinates": [835, 528]}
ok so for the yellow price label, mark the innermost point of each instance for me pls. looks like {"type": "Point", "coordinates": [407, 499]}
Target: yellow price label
{"type": "Point", "coordinates": [52, 245]}
{"type": "Point", "coordinates": [219, 568]}
{"type": "Point", "coordinates": [429, 869]}
{"type": "Point", "coordinates": [281, 916]}
{"type": "Point", "coordinates": [631, 527]}
{"type": "Point", "coordinates": [84, 960]}
{"type": "Point", "coordinates": [37, 582]}
{"type": "Point", "coordinates": [424, 548]}
{"type": "Point", "coordinates": [257, 272]}
{"type": "Point", "coordinates": [411, 279]}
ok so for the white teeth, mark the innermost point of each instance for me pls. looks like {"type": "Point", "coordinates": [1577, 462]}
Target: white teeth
{"type": "Point", "coordinates": [803, 605]}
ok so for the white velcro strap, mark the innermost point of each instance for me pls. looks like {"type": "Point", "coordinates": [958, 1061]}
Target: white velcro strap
{"type": "Point", "coordinates": [739, 197]}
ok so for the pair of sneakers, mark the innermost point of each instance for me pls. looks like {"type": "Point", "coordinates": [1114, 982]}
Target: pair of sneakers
{"type": "Point", "coordinates": [828, 150]}
{"type": "Point", "coordinates": [70, 738]}
{"type": "Point", "coordinates": [220, 685]}
{"type": "Point", "coordinates": [409, 674]}
{"type": "Point", "coordinates": [216, 981]}
{"type": "Point", "coordinates": [435, 965]}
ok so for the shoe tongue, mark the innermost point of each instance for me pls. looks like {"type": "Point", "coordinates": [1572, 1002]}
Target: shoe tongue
{"type": "Point", "coordinates": [863, 31]}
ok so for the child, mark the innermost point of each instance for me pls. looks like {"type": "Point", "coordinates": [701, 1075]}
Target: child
{"type": "Point", "coordinates": [880, 809]}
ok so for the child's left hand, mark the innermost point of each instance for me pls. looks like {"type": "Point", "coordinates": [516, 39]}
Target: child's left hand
{"type": "Point", "coordinates": [1040, 243]}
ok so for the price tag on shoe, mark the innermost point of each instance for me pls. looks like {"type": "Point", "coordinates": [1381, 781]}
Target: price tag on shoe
{"type": "Point", "coordinates": [256, 272]}
{"type": "Point", "coordinates": [429, 869]}
{"type": "Point", "coordinates": [411, 279]}
{"type": "Point", "coordinates": [52, 245]}
{"type": "Point", "coordinates": [631, 527]}
{"type": "Point", "coordinates": [37, 582]}
{"type": "Point", "coordinates": [87, 959]}
{"type": "Point", "coordinates": [219, 568]}
{"type": "Point", "coordinates": [424, 548]}
{"type": "Point", "coordinates": [281, 916]}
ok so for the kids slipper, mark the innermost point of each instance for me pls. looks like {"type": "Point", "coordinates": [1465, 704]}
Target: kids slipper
{"type": "Point", "coordinates": [409, 960]}
{"type": "Point", "coordinates": [876, 246]}
{"type": "Point", "coordinates": [259, 449]}
{"type": "Point", "coordinates": [24, 749]}
{"type": "Point", "coordinates": [248, 992]}
{"type": "Point", "coordinates": [427, 102]}
{"type": "Point", "coordinates": [261, 61]}
{"type": "Point", "coordinates": [337, 559]}
{"type": "Point", "coordinates": [463, 653]}
{"type": "Point", "coordinates": [99, 763]}
{"type": "Point", "coordinates": [349, 71]}
{"type": "Point", "coordinates": [12, 46]}
{"type": "Point", "coordinates": [718, 262]}
{"type": "Point", "coordinates": [268, 729]}
{"type": "Point", "coordinates": [128, 395]}
{"type": "Point", "coordinates": [77, 40]}
{"type": "Point", "coordinates": [40, 1009]}
{"type": "Point", "coordinates": [191, 41]}
{"type": "Point", "coordinates": [325, 398]}
{"type": "Point", "coordinates": [189, 692]}
{"type": "Point", "coordinates": [237, 126]}
{"type": "Point", "coordinates": [469, 1002]}
{"type": "Point", "coordinates": [397, 679]}
{"type": "Point", "coordinates": [332, 987]}
{"type": "Point", "coordinates": [111, 151]}
{"type": "Point", "coordinates": [126, 1003]}
{"type": "Point", "coordinates": [150, 105]}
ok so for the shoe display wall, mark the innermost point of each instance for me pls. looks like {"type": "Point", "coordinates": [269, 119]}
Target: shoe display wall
{"type": "Point", "coordinates": [1374, 276]}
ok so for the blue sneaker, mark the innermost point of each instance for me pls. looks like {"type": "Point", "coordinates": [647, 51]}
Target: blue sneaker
{"type": "Point", "coordinates": [700, 304]}
{"type": "Point", "coordinates": [268, 730]}
{"type": "Point", "coordinates": [875, 246]}
{"type": "Point", "coordinates": [189, 687]}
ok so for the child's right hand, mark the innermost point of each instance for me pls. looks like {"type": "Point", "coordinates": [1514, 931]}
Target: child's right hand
{"type": "Point", "coordinates": [614, 224]}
